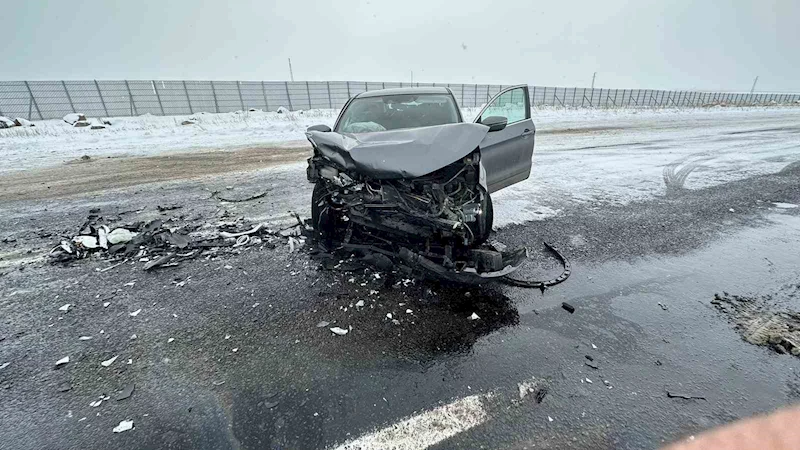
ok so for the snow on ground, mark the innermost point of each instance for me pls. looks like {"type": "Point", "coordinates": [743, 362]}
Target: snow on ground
{"type": "Point", "coordinates": [586, 156]}
{"type": "Point", "coordinates": [52, 142]}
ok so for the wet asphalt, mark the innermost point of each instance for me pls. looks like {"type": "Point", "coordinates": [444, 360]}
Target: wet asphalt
{"type": "Point", "coordinates": [248, 367]}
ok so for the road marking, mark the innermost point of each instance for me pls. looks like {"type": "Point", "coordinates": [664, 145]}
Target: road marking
{"type": "Point", "coordinates": [426, 429]}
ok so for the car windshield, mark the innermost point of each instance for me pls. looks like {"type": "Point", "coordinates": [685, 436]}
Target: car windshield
{"type": "Point", "coordinates": [394, 112]}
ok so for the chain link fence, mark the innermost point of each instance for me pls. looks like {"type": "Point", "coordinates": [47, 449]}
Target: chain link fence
{"type": "Point", "coordinates": [54, 99]}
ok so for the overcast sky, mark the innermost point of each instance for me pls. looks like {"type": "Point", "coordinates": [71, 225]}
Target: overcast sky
{"type": "Point", "coordinates": [666, 44]}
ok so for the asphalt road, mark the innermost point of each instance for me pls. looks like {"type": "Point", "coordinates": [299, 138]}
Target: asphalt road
{"type": "Point", "coordinates": [228, 353]}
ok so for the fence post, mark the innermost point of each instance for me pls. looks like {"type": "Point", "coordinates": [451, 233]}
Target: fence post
{"type": "Point", "coordinates": [462, 93]}
{"type": "Point", "coordinates": [288, 97]}
{"type": "Point", "coordinates": [239, 89]}
{"type": "Point", "coordinates": [103, 102]}
{"type": "Point", "coordinates": [33, 100]}
{"type": "Point", "coordinates": [475, 98]}
{"type": "Point", "coordinates": [264, 92]}
{"type": "Point", "coordinates": [308, 94]}
{"type": "Point", "coordinates": [330, 102]}
{"type": "Point", "coordinates": [214, 94]}
{"type": "Point", "coordinates": [69, 97]}
{"type": "Point", "coordinates": [348, 89]}
{"type": "Point", "coordinates": [130, 99]}
{"type": "Point", "coordinates": [487, 93]}
{"type": "Point", "coordinates": [30, 108]}
{"type": "Point", "coordinates": [188, 100]}
{"type": "Point", "coordinates": [158, 96]}
{"type": "Point", "coordinates": [366, 87]}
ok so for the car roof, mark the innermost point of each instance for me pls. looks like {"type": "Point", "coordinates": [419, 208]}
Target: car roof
{"type": "Point", "coordinates": [404, 91]}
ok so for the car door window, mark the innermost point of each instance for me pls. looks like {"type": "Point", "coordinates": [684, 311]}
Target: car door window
{"type": "Point", "coordinates": [510, 105]}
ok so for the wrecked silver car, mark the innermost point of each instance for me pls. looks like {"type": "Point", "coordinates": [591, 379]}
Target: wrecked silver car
{"type": "Point", "coordinates": [402, 174]}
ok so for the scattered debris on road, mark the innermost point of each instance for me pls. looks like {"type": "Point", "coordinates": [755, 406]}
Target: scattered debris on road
{"type": "Point", "coordinates": [124, 425]}
{"type": "Point", "coordinates": [62, 361]}
{"type": "Point", "coordinates": [568, 308]}
{"type": "Point", "coordinates": [473, 317]}
{"type": "Point", "coordinates": [671, 394]}
{"type": "Point", "coordinates": [109, 362]}
{"type": "Point", "coordinates": [339, 331]}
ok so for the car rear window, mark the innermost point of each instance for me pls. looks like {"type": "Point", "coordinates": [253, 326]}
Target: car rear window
{"type": "Point", "coordinates": [394, 112]}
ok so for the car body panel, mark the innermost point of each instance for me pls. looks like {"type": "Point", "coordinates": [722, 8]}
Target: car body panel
{"type": "Point", "coordinates": [407, 153]}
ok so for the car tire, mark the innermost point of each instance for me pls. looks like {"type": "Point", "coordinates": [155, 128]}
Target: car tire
{"type": "Point", "coordinates": [323, 220]}
{"type": "Point", "coordinates": [484, 229]}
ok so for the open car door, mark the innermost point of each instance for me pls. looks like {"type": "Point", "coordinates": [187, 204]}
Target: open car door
{"type": "Point", "coordinates": [507, 151]}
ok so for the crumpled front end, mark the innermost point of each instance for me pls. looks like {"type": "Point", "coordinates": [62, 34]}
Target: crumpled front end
{"type": "Point", "coordinates": [435, 222]}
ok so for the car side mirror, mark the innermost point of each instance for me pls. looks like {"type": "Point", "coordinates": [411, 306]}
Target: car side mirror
{"type": "Point", "coordinates": [495, 123]}
{"type": "Point", "coordinates": [322, 128]}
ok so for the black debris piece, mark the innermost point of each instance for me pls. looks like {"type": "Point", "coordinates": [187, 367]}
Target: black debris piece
{"type": "Point", "coordinates": [592, 365]}
{"type": "Point", "coordinates": [65, 386]}
{"type": "Point", "coordinates": [589, 357]}
{"type": "Point", "coordinates": [567, 307]}
{"type": "Point", "coordinates": [684, 396]}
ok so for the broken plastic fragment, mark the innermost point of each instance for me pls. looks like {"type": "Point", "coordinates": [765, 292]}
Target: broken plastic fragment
{"type": "Point", "coordinates": [65, 307]}
{"type": "Point", "coordinates": [108, 362]}
{"type": "Point", "coordinates": [135, 313]}
{"type": "Point", "coordinates": [120, 236]}
{"type": "Point", "coordinates": [170, 340]}
{"type": "Point", "coordinates": [339, 331]}
{"type": "Point", "coordinates": [62, 361]}
{"type": "Point", "coordinates": [105, 304]}
{"type": "Point", "coordinates": [408, 311]}
{"type": "Point", "coordinates": [323, 324]}
{"type": "Point", "coordinates": [86, 241]}
{"type": "Point", "coordinates": [84, 338]}
{"type": "Point", "coordinates": [360, 303]}
{"type": "Point", "coordinates": [125, 425]}
{"type": "Point", "coordinates": [549, 419]}
{"type": "Point", "coordinates": [388, 315]}
{"type": "Point", "coordinates": [97, 403]}
{"type": "Point", "coordinates": [133, 337]}
{"type": "Point", "coordinates": [102, 236]}
{"type": "Point", "coordinates": [473, 317]}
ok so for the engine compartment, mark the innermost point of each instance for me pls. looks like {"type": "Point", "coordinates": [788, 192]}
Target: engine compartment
{"type": "Point", "coordinates": [436, 222]}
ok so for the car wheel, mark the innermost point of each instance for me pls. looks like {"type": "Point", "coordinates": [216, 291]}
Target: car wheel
{"type": "Point", "coordinates": [484, 226]}
{"type": "Point", "coordinates": [323, 220]}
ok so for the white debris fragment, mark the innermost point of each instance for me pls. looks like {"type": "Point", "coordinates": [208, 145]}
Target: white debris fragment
{"type": "Point", "coordinates": [170, 340]}
{"type": "Point", "coordinates": [373, 292]}
{"type": "Point", "coordinates": [339, 331]}
{"type": "Point", "coordinates": [97, 403]}
{"type": "Point", "coordinates": [130, 361]}
{"type": "Point", "coordinates": [408, 311]}
{"type": "Point", "coordinates": [109, 362]}
{"type": "Point", "coordinates": [473, 317]}
{"type": "Point", "coordinates": [227, 336]}
{"type": "Point", "coordinates": [102, 236]}
{"type": "Point", "coordinates": [125, 425]}
{"type": "Point", "coordinates": [65, 308]}
{"type": "Point", "coordinates": [549, 419]}
{"type": "Point", "coordinates": [105, 304]}
{"type": "Point", "coordinates": [120, 236]}
{"type": "Point", "coordinates": [594, 346]}
{"type": "Point", "coordinates": [135, 313]}
{"type": "Point", "coordinates": [130, 284]}
{"type": "Point", "coordinates": [62, 361]}
{"type": "Point", "coordinates": [732, 210]}
{"type": "Point", "coordinates": [395, 321]}
{"type": "Point", "coordinates": [81, 419]}
{"type": "Point", "coordinates": [784, 205]}
{"type": "Point", "coordinates": [377, 276]}
{"type": "Point", "coordinates": [388, 315]}
{"type": "Point", "coordinates": [360, 303]}
{"type": "Point", "coordinates": [4, 365]}
{"type": "Point", "coordinates": [86, 241]}
{"type": "Point", "coordinates": [84, 338]}
{"type": "Point", "coordinates": [133, 337]}
{"type": "Point", "coordinates": [588, 381]}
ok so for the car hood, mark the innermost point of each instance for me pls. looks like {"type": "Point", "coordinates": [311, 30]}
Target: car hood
{"type": "Point", "coordinates": [408, 153]}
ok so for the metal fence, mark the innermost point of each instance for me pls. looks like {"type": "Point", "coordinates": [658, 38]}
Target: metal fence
{"type": "Point", "coordinates": [54, 99]}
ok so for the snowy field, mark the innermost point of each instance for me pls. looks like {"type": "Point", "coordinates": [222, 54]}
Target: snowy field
{"type": "Point", "coordinates": [52, 142]}
{"type": "Point", "coordinates": [587, 156]}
